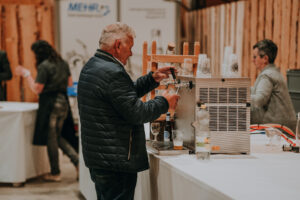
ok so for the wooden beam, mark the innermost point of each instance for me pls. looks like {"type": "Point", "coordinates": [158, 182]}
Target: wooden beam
{"type": "Point", "coordinates": [269, 19]}
{"type": "Point", "coordinates": [153, 65]}
{"type": "Point", "coordinates": [277, 28]}
{"type": "Point", "coordinates": [28, 33]}
{"type": "Point", "coordinates": [298, 42]}
{"type": "Point", "coordinates": [213, 39]}
{"type": "Point", "coordinates": [285, 36]}
{"type": "Point", "coordinates": [253, 35]}
{"type": "Point", "coordinates": [21, 2]}
{"type": "Point", "coordinates": [45, 21]}
{"type": "Point", "coordinates": [239, 33]}
{"type": "Point", "coordinates": [11, 46]}
{"type": "Point", "coordinates": [227, 27]}
{"type": "Point", "coordinates": [233, 26]}
{"type": "Point", "coordinates": [222, 32]}
{"type": "Point", "coordinates": [217, 39]}
{"type": "Point", "coordinates": [246, 45]}
{"type": "Point", "coordinates": [156, 58]}
{"type": "Point", "coordinates": [196, 53]}
{"type": "Point", "coordinates": [261, 19]}
{"type": "Point", "coordinates": [294, 22]}
{"type": "Point", "coordinates": [145, 63]}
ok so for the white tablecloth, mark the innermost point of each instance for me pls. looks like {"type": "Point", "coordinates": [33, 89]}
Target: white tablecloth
{"type": "Point", "coordinates": [267, 173]}
{"type": "Point", "coordinates": [19, 159]}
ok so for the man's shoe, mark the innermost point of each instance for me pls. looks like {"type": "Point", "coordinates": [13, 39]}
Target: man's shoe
{"type": "Point", "coordinates": [52, 178]}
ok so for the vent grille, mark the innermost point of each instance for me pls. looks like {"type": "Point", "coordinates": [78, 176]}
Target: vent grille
{"type": "Point", "coordinates": [225, 109]}
{"type": "Point", "coordinates": [204, 95]}
{"type": "Point", "coordinates": [232, 95]}
{"type": "Point", "coordinates": [213, 95]}
{"type": "Point", "coordinates": [223, 95]}
{"type": "Point", "coordinates": [242, 116]}
{"type": "Point", "coordinates": [213, 118]}
{"type": "Point", "coordinates": [232, 115]}
{"type": "Point", "coordinates": [242, 98]}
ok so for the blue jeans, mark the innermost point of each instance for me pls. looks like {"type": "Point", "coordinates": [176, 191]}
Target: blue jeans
{"type": "Point", "coordinates": [112, 185]}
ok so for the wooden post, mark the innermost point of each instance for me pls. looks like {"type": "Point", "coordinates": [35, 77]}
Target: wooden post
{"type": "Point", "coordinates": [293, 36]}
{"type": "Point", "coordinates": [145, 63]}
{"type": "Point", "coordinates": [253, 36]}
{"type": "Point", "coordinates": [196, 53]}
{"type": "Point", "coordinates": [239, 33]}
{"type": "Point", "coordinates": [233, 26]}
{"type": "Point", "coordinates": [269, 19]}
{"type": "Point", "coordinates": [222, 32]}
{"type": "Point", "coordinates": [277, 28]}
{"type": "Point", "coordinates": [11, 46]}
{"type": "Point", "coordinates": [246, 45]}
{"type": "Point", "coordinates": [212, 36]}
{"type": "Point", "coordinates": [45, 21]}
{"type": "Point", "coordinates": [261, 19]}
{"type": "Point", "coordinates": [298, 45]}
{"type": "Point", "coordinates": [153, 64]}
{"type": "Point", "coordinates": [29, 30]}
{"type": "Point", "coordinates": [285, 36]}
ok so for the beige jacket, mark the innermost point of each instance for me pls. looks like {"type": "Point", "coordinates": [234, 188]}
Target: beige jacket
{"type": "Point", "coordinates": [270, 99]}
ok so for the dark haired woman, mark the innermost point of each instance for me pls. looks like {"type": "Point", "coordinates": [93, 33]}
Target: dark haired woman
{"type": "Point", "coordinates": [53, 77]}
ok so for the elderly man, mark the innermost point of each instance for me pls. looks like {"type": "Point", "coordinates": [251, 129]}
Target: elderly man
{"type": "Point", "coordinates": [270, 99]}
{"type": "Point", "coordinates": [112, 114]}
{"type": "Point", "coordinates": [5, 74]}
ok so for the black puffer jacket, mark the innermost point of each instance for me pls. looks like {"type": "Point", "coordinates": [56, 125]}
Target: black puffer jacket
{"type": "Point", "coordinates": [112, 115]}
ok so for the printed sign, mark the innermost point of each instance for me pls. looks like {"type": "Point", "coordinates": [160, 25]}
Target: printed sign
{"type": "Point", "coordinates": [80, 26]}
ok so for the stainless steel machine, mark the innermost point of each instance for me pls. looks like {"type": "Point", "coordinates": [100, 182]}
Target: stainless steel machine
{"type": "Point", "coordinates": [228, 103]}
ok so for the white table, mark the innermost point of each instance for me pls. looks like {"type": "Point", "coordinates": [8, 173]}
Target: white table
{"type": "Point", "coordinates": [267, 173]}
{"type": "Point", "coordinates": [20, 160]}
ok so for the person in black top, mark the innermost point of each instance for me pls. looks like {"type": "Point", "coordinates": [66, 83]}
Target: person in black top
{"type": "Point", "coordinates": [5, 74]}
{"type": "Point", "coordinates": [53, 77]}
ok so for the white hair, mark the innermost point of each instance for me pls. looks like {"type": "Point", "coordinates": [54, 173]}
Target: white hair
{"type": "Point", "coordinates": [113, 32]}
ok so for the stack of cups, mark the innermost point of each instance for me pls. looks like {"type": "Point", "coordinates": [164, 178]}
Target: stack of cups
{"type": "Point", "coordinates": [203, 67]}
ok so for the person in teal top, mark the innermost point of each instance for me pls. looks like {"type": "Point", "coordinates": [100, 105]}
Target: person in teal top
{"type": "Point", "coordinates": [270, 99]}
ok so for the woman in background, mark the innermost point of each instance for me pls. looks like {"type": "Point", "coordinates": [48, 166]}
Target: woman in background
{"type": "Point", "coordinates": [53, 77]}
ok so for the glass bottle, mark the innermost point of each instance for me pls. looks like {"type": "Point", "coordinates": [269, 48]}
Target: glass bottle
{"type": "Point", "coordinates": [168, 129]}
{"type": "Point", "coordinates": [202, 136]}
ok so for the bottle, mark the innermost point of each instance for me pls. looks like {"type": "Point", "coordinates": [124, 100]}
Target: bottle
{"type": "Point", "coordinates": [168, 129]}
{"type": "Point", "coordinates": [202, 137]}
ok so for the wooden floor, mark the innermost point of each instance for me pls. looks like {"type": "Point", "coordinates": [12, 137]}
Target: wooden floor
{"type": "Point", "coordinates": [37, 189]}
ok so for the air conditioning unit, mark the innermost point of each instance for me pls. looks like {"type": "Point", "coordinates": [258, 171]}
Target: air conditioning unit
{"type": "Point", "coordinates": [228, 103]}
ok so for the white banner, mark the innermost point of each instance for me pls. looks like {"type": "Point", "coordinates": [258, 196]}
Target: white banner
{"type": "Point", "coordinates": [80, 26]}
{"type": "Point", "coordinates": [151, 20]}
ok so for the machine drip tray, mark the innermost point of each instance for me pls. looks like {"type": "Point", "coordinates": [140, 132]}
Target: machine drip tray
{"type": "Point", "coordinates": [164, 148]}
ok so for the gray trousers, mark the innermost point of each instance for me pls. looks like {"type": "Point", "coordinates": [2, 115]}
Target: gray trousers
{"type": "Point", "coordinates": [57, 118]}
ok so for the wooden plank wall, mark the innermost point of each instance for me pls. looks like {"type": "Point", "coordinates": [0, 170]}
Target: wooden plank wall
{"type": "Point", "coordinates": [241, 24]}
{"type": "Point", "coordinates": [22, 23]}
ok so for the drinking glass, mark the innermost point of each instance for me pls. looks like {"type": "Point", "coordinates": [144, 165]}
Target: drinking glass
{"type": "Point", "coordinates": [274, 136]}
{"type": "Point", "coordinates": [177, 139]}
{"type": "Point", "coordinates": [155, 129]}
{"type": "Point", "coordinates": [187, 68]}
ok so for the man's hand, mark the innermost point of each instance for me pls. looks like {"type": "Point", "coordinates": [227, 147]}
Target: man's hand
{"type": "Point", "coordinates": [162, 73]}
{"type": "Point", "coordinates": [172, 99]}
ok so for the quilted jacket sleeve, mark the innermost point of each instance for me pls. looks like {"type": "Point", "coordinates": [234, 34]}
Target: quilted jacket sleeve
{"type": "Point", "coordinates": [124, 96]}
{"type": "Point", "coordinates": [145, 84]}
